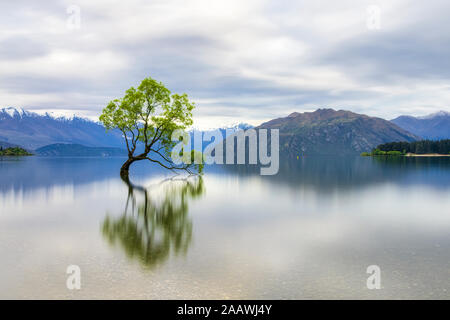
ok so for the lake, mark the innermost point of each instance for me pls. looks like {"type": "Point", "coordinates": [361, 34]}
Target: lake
{"type": "Point", "coordinates": [309, 232]}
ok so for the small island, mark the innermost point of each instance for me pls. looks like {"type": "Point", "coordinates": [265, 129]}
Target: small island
{"type": "Point", "coordinates": [14, 151]}
{"type": "Point", "coordinates": [422, 148]}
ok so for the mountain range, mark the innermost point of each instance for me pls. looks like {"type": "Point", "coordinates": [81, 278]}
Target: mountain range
{"type": "Point", "coordinates": [327, 131]}
{"type": "Point", "coordinates": [434, 126]}
{"type": "Point", "coordinates": [324, 131]}
{"type": "Point", "coordinates": [32, 131]}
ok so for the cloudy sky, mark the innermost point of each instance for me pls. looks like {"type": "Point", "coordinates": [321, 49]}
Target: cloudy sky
{"type": "Point", "coordinates": [238, 60]}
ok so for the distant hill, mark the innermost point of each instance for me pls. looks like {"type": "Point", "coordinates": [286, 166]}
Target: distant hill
{"type": "Point", "coordinates": [77, 150]}
{"type": "Point", "coordinates": [31, 130]}
{"type": "Point", "coordinates": [5, 145]}
{"type": "Point", "coordinates": [327, 131]}
{"type": "Point", "coordinates": [434, 126]}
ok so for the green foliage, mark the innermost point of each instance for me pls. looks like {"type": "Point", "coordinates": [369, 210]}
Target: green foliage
{"type": "Point", "coordinates": [378, 152]}
{"type": "Point", "coordinates": [197, 155]}
{"type": "Point", "coordinates": [417, 147]}
{"type": "Point", "coordinates": [394, 153]}
{"type": "Point", "coordinates": [14, 151]}
{"type": "Point", "coordinates": [149, 114]}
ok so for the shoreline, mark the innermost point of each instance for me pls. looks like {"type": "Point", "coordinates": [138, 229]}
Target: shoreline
{"type": "Point", "coordinates": [427, 155]}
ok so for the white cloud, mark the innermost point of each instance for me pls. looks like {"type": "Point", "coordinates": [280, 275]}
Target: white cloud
{"type": "Point", "coordinates": [253, 60]}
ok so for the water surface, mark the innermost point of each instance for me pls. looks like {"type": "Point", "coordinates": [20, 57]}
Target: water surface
{"type": "Point", "coordinates": [309, 232]}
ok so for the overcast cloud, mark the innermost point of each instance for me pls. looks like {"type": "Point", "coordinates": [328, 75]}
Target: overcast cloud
{"type": "Point", "coordinates": [238, 60]}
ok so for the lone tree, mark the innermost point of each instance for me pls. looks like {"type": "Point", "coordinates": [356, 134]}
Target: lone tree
{"type": "Point", "coordinates": [147, 117]}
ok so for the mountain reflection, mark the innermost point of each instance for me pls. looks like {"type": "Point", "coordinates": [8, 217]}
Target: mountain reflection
{"type": "Point", "coordinates": [328, 174]}
{"type": "Point", "coordinates": [155, 221]}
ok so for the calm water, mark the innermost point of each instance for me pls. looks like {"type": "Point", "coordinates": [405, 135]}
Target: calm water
{"type": "Point", "coordinates": [309, 232]}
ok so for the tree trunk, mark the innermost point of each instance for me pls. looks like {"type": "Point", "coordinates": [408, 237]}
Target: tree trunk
{"type": "Point", "coordinates": [124, 171]}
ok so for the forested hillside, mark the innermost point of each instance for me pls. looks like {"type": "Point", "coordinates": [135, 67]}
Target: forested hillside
{"type": "Point", "coordinates": [418, 147]}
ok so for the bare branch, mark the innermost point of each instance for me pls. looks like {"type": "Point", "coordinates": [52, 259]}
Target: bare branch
{"type": "Point", "coordinates": [161, 155]}
{"type": "Point", "coordinates": [171, 168]}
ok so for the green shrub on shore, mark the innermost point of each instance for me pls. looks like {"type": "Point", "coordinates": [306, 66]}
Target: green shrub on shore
{"type": "Point", "coordinates": [14, 151]}
{"type": "Point", "coordinates": [378, 152]}
{"type": "Point", "coordinates": [418, 147]}
{"type": "Point", "coordinates": [395, 153]}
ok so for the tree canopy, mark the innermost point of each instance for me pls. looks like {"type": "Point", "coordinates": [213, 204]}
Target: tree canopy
{"type": "Point", "coordinates": [147, 116]}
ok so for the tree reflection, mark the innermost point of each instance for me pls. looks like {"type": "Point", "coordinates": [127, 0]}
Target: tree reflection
{"type": "Point", "coordinates": [155, 222]}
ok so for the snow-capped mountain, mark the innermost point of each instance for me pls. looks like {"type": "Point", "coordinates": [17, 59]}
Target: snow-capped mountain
{"type": "Point", "coordinates": [436, 114]}
{"type": "Point", "coordinates": [11, 112]}
{"type": "Point", "coordinates": [237, 126]}
{"type": "Point", "coordinates": [233, 127]}
{"type": "Point", "coordinates": [225, 131]}
{"type": "Point", "coordinates": [18, 113]}
{"type": "Point", "coordinates": [32, 130]}
{"type": "Point", "coordinates": [434, 126]}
